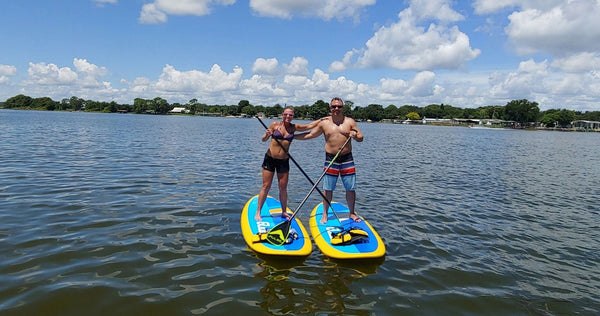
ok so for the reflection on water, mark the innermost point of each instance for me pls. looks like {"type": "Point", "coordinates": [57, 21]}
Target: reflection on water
{"type": "Point", "coordinates": [291, 287]}
{"type": "Point", "coordinates": [136, 214]}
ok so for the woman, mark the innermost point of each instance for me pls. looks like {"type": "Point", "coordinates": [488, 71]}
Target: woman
{"type": "Point", "coordinates": [276, 159]}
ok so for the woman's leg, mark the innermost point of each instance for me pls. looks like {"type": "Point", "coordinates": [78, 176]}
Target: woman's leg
{"type": "Point", "coordinates": [264, 191]}
{"type": "Point", "coordinates": [283, 196]}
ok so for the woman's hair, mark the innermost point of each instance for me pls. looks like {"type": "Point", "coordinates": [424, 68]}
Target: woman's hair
{"type": "Point", "coordinates": [287, 108]}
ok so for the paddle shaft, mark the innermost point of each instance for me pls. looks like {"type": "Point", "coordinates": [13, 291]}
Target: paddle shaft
{"type": "Point", "coordinates": [297, 165]}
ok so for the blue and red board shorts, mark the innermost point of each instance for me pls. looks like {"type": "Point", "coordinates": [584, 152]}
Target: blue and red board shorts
{"type": "Point", "coordinates": [342, 167]}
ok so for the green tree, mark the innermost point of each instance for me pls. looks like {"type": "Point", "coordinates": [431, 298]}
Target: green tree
{"type": "Point", "coordinates": [566, 117]}
{"type": "Point", "coordinates": [549, 118]}
{"type": "Point", "coordinates": [348, 105]}
{"type": "Point", "coordinates": [192, 105]}
{"type": "Point", "coordinates": [374, 112]}
{"type": "Point", "coordinates": [249, 110]}
{"type": "Point", "coordinates": [161, 106]}
{"type": "Point", "coordinates": [140, 105]}
{"type": "Point", "coordinates": [44, 103]}
{"type": "Point", "coordinates": [111, 107]}
{"type": "Point", "coordinates": [273, 111]}
{"type": "Point", "coordinates": [413, 116]}
{"type": "Point", "coordinates": [449, 111]}
{"type": "Point", "coordinates": [319, 109]}
{"type": "Point", "coordinates": [470, 113]}
{"type": "Point", "coordinates": [522, 111]}
{"type": "Point", "coordinates": [359, 113]}
{"type": "Point", "coordinates": [391, 112]}
{"type": "Point", "coordinates": [433, 111]}
{"type": "Point", "coordinates": [405, 109]}
{"type": "Point", "coordinates": [241, 105]}
{"type": "Point", "coordinates": [76, 104]}
{"type": "Point", "coordinates": [18, 101]}
{"type": "Point", "coordinates": [301, 111]}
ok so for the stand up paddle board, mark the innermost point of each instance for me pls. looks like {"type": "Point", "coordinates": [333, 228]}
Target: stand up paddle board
{"type": "Point", "coordinates": [344, 239]}
{"type": "Point", "coordinates": [298, 244]}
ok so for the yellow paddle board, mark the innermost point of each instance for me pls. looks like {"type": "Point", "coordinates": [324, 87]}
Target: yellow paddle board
{"type": "Point", "coordinates": [344, 238]}
{"type": "Point", "coordinates": [254, 232]}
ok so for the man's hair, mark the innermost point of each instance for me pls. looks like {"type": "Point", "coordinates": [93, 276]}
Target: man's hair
{"type": "Point", "coordinates": [337, 99]}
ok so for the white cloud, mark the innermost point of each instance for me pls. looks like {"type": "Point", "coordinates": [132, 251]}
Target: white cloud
{"type": "Point", "coordinates": [216, 80]}
{"type": "Point", "coordinates": [491, 6]}
{"type": "Point", "coordinates": [257, 87]}
{"type": "Point", "coordinates": [543, 81]}
{"type": "Point", "coordinates": [406, 46]}
{"type": "Point", "coordinates": [102, 2]}
{"type": "Point", "coordinates": [393, 86]}
{"type": "Point", "coordinates": [7, 70]}
{"type": "Point", "coordinates": [298, 66]}
{"type": "Point", "coordinates": [89, 74]}
{"type": "Point", "coordinates": [435, 9]}
{"type": "Point", "coordinates": [266, 66]}
{"type": "Point", "coordinates": [495, 6]}
{"type": "Point", "coordinates": [50, 74]}
{"type": "Point", "coordinates": [566, 28]}
{"type": "Point", "coordinates": [578, 63]}
{"type": "Point", "coordinates": [152, 15]}
{"type": "Point", "coordinates": [422, 85]}
{"type": "Point", "coordinates": [324, 9]}
{"type": "Point", "coordinates": [157, 11]}
{"type": "Point", "coordinates": [527, 80]}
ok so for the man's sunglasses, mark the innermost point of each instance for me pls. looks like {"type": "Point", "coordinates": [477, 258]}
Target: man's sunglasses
{"type": "Point", "coordinates": [337, 106]}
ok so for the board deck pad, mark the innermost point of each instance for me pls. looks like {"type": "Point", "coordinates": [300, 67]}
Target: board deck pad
{"type": "Point", "coordinates": [370, 247]}
{"type": "Point", "coordinates": [299, 245]}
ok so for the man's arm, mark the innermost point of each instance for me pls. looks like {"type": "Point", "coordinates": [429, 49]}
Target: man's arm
{"type": "Point", "coordinates": [357, 135]}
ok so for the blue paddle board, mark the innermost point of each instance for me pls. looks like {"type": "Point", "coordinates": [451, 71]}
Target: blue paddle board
{"type": "Point", "coordinates": [344, 238]}
{"type": "Point", "coordinates": [297, 245]}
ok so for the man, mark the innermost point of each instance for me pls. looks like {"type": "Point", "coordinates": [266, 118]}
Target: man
{"type": "Point", "coordinates": [336, 129]}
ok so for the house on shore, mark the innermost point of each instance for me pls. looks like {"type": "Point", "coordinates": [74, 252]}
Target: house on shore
{"type": "Point", "coordinates": [586, 126]}
{"type": "Point", "coordinates": [179, 110]}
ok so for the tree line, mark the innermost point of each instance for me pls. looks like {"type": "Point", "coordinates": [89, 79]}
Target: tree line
{"type": "Point", "coordinates": [522, 111]}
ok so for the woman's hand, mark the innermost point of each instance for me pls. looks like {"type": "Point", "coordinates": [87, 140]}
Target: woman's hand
{"type": "Point", "coordinates": [268, 133]}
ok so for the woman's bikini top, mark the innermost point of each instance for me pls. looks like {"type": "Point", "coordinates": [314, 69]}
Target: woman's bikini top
{"type": "Point", "coordinates": [277, 135]}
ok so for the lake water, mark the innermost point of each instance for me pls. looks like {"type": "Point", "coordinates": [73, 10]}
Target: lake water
{"type": "Point", "coordinates": [138, 214]}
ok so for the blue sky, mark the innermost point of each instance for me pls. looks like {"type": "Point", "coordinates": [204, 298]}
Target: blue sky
{"type": "Point", "coordinates": [463, 53]}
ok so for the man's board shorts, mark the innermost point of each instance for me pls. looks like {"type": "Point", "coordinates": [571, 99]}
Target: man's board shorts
{"type": "Point", "coordinates": [342, 167]}
{"type": "Point", "coordinates": [272, 164]}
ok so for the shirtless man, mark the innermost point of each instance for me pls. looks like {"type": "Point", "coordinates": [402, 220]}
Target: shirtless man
{"type": "Point", "coordinates": [336, 130]}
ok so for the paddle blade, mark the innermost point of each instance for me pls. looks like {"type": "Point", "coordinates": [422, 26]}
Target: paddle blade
{"type": "Point", "coordinates": [279, 234]}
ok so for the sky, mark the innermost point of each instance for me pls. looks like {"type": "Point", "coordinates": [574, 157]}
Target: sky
{"type": "Point", "coordinates": [418, 52]}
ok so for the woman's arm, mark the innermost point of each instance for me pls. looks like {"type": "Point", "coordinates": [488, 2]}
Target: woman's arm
{"type": "Point", "coordinates": [268, 132]}
{"type": "Point", "coordinates": [311, 125]}
{"type": "Point", "coordinates": [315, 132]}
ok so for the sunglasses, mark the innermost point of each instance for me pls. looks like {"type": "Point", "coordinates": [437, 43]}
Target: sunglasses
{"type": "Point", "coordinates": [337, 106]}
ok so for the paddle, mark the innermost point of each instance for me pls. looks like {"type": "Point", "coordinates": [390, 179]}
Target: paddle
{"type": "Point", "coordinates": [279, 234]}
{"type": "Point", "coordinates": [297, 165]}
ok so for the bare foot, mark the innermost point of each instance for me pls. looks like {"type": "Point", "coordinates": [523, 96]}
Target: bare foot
{"type": "Point", "coordinates": [257, 218]}
{"type": "Point", "coordinates": [324, 219]}
{"type": "Point", "coordinates": [286, 215]}
{"type": "Point", "coordinates": [355, 217]}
